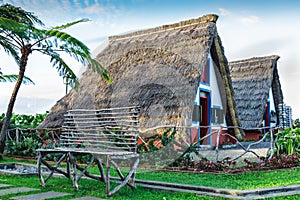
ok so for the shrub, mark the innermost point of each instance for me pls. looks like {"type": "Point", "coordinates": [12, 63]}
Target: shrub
{"type": "Point", "coordinates": [25, 148]}
{"type": "Point", "coordinates": [29, 141]}
{"type": "Point", "coordinates": [287, 142]}
{"type": "Point", "coordinates": [25, 121]}
{"type": "Point", "coordinates": [296, 123]}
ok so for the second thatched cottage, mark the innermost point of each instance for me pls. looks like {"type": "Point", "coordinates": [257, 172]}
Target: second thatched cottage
{"type": "Point", "coordinates": [257, 94]}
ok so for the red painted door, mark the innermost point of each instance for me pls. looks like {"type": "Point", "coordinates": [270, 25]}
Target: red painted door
{"type": "Point", "coordinates": [204, 118]}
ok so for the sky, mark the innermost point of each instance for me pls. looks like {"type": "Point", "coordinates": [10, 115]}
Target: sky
{"type": "Point", "coordinates": [248, 28]}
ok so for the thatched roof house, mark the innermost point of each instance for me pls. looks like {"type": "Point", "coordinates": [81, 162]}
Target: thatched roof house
{"type": "Point", "coordinates": [254, 81]}
{"type": "Point", "coordinates": [158, 69]}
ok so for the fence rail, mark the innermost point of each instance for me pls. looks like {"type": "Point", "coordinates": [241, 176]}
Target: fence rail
{"type": "Point", "coordinates": [267, 137]}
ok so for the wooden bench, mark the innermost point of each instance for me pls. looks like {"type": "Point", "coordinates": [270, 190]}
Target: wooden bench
{"type": "Point", "coordinates": [106, 135]}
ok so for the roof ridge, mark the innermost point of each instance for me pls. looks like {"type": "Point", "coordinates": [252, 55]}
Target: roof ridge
{"type": "Point", "coordinates": [201, 20]}
{"type": "Point", "coordinates": [255, 59]}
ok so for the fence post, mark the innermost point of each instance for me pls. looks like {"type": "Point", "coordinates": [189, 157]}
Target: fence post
{"type": "Point", "coordinates": [271, 143]}
{"type": "Point", "coordinates": [17, 135]}
{"type": "Point", "coordinates": [217, 144]}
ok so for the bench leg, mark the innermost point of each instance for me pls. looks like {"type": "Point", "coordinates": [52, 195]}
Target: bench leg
{"type": "Point", "coordinates": [84, 170]}
{"type": "Point", "coordinates": [68, 167]}
{"type": "Point", "coordinates": [107, 179]}
{"type": "Point", "coordinates": [53, 169]}
{"type": "Point", "coordinates": [73, 163]}
{"type": "Point", "coordinates": [100, 167]}
{"type": "Point", "coordinates": [128, 180]}
{"type": "Point", "coordinates": [39, 169]}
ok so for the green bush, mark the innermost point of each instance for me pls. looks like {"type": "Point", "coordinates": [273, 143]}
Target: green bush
{"type": "Point", "coordinates": [287, 142]}
{"type": "Point", "coordinates": [25, 121]}
{"type": "Point", "coordinates": [25, 148]}
{"type": "Point", "coordinates": [29, 141]}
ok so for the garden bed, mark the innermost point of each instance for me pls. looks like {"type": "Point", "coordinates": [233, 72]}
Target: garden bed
{"type": "Point", "coordinates": [230, 172]}
{"type": "Point", "coordinates": [232, 167]}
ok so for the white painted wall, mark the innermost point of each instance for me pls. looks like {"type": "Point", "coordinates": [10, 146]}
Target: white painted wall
{"type": "Point", "coordinates": [215, 94]}
{"type": "Point", "coordinates": [271, 99]}
{"type": "Point", "coordinates": [272, 105]}
{"type": "Point", "coordinates": [213, 87]}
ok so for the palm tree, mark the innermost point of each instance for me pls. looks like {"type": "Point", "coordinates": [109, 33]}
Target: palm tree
{"type": "Point", "coordinates": [22, 33]}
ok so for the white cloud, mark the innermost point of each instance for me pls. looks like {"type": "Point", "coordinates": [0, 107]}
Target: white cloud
{"type": "Point", "coordinates": [250, 20]}
{"type": "Point", "coordinates": [94, 9]}
{"type": "Point", "coordinates": [224, 12]}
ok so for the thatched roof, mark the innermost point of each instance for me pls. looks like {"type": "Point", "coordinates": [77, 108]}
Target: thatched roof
{"type": "Point", "coordinates": [158, 69]}
{"type": "Point", "coordinates": [252, 80]}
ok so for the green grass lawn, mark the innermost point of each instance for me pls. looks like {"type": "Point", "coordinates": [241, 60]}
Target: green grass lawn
{"type": "Point", "coordinates": [239, 181]}
{"type": "Point", "coordinates": [97, 189]}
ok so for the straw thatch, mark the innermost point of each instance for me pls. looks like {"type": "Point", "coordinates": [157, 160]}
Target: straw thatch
{"type": "Point", "coordinates": [252, 80]}
{"type": "Point", "coordinates": [158, 69]}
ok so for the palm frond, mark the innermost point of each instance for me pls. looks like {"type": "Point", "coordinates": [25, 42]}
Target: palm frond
{"type": "Point", "coordinates": [68, 41]}
{"type": "Point", "coordinates": [27, 80]}
{"type": "Point", "coordinates": [11, 26]}
{"type": "Point", "coordinates": [97, 67]}
{"type": "Point", "coordinates": [79, 51]}
{"type": "Point", "coordinates": [62, 68]}
{"type": "Point", "coordinates": [52, 41]}
{"type": "Point", "coordinates": [10, 48]}
{"type": "Point", "coordinates": [13, 78]}
{"type": "Point", "coordinates": [17, 14]}
{"type": "Point", "coordinates": [77, 54]}
{"type": "Point", "coordinates": [64, 26]}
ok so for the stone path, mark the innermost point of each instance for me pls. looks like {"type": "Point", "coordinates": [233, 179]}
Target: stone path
{"type": "Point", "coordinates": [41, 196]}
{"type": "Point", "coordinates": [4, 185]}
{"type": "Point", "coordinates": [16, 190]}
{"type": "Point", "coordinates": [6, 189]}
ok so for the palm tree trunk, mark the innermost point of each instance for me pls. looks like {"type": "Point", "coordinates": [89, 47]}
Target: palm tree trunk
{"type": "Point", "coordinates": [26, 50]}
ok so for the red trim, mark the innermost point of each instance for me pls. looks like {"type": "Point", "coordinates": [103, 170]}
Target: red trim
{"type": "Point", "coordinates": [204, 78]}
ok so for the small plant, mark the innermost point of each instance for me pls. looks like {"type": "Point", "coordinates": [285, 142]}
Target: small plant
{"type": "Point", "coordinates": [287, 142]}
{"type": "Point", "coordinates": [296, 123]}
{"type": "Point", "coordinates": [207, 165]}
{"type": "Point", "coordinates": [157, 141]}
{"type": "Point", "coordinates": [48, 144]}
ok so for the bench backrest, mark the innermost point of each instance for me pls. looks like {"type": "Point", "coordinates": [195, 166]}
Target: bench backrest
{"type": "Point", "coordinates": [111, 129]}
